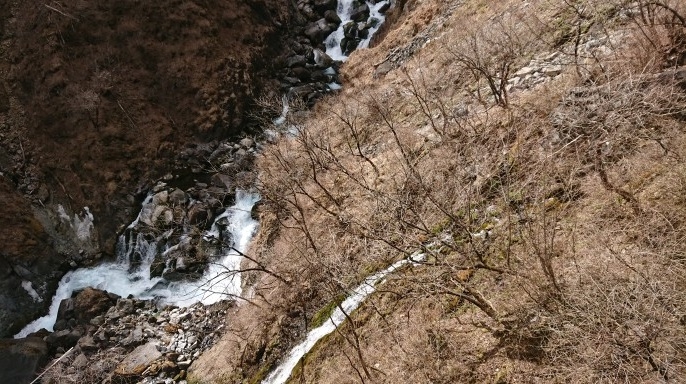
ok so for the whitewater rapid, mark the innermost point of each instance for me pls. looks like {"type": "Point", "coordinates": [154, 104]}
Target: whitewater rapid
{"type": "Point", "coordinates": [283, 371]}
{"type": "Point", "coordinates": [345, 9]}
{"type": "Point", "coordinates": [222, 279]}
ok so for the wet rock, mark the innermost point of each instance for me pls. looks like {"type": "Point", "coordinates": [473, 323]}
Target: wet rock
{"type": "Point", "coordinates": [65, 310]}
{"type": "Point", "coordinates": [198, 214]}
{"type": "Point", "coordinates": [177, 197]}
{"type": "Point", "coordinates": [90, 303]}
{"type": "Point", "coordinates": [360, 13]}
{"type": "Point", "coordinates": [161, 197]}
{"type": "Point", "coordinates": [157, 266]}
{"type": "Point", "coordinates": [332, 17]}
{"type": "Point", "coordinates": [321, 59]}
{"type": "Point", "coordinates": [319, 30]}
{"type": "Point", "coordinates": [255, 211]}
{"type": "Point", "coordinates": [385, 7]}
{"type": "Point", "coordinates": [185, 261]}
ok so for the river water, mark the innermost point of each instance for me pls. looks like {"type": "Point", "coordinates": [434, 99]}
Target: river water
{"type": "Point", "coordinates": [221, 280]}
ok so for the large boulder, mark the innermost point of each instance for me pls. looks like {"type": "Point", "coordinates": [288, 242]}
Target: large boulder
{"type": "Point", "coordinates": [360, 13]}
{"type": "Point", "coordinates": [21, 359]}
{"type": "Point", "coordinates": [319, 30]}
{"type": "Point", "coordinates": [92, 302]}
{"type": "Point", "coordinates": [131, 369]}
{"type": "Point", "coordinates": [185, 261]}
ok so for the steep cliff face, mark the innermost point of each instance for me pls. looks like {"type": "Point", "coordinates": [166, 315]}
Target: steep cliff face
{"type": "Point", "coordinates": [29, 266]}
{"type": "Point", "coordinates": [97, 97]}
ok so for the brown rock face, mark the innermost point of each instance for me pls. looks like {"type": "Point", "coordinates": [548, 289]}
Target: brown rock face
{"type": "Point", "coordinates": [96, 97]}
{"type": "Point", "coordinates": [112, 89]}
{"type": "Point", "coordinates": [90, 303]}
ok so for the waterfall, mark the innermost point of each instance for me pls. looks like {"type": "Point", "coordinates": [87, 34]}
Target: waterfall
{"type": "Point", "coordinates": [130, 273]}
{"type": "Point", "coordinates": [345, 9]}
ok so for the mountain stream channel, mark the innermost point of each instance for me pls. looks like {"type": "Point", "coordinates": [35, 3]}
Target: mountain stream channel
{"type": "Point", "coordinates": [221, 279]}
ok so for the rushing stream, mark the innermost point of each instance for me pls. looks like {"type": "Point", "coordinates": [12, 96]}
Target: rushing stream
{"type": "Point", "coordinates": [219, 281]}
{"type": "Point", "coordinates": [345, 9]}
{"type": "Point", "coordinates": [222, 277]}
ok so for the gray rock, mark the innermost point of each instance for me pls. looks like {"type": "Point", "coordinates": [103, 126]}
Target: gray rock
{"type": "Point", "coordinates": [198, 214]}
{"type": "Point", "coordinates": [135, 363]}
{"type": "Point", "coordinates": [332, 17]}
{"type": "Point", "coordinates": [80, 362]}
{"type": "Point", "coordinates": [160, 197]}
{"type": "Point", "coordinates": [319, 30]}
{"type": "Point", "coordinates": [87, 343]}
{"type": "Point", "coordinates": [247, 142]}
{"type": "Point", "coordinates": [321, 59]}
{"type": "Point", "coordinates": [178, 197]}
{"type": "Point", "coordinates": [552, 70]}
{"type": "Point", "coordinates": [222, 181]}
{"type": "Point", "coordinates": [525, 71]}
{"type": "Point", "coordinates": [64, 339]}
{"type": "Point", "coordinates": [360, 13]}
{"type": "Point", "coordinates": [296, 61]}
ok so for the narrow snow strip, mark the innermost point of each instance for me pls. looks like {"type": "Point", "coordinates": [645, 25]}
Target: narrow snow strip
{"type": "Point", "coordinates": [281, 374]}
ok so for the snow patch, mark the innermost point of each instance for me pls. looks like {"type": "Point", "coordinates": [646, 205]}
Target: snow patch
{"type": "Point", "coordinates": [28, 287]}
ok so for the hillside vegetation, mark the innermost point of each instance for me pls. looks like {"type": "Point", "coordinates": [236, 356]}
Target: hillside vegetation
{"type": "Point", "coordinates": [534, 152]}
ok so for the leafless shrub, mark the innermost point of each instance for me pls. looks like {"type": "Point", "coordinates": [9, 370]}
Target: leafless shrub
{"type": "Point", "coordinates": [488, 54]}
{"type": "Point", "coordinates": [498, 199]}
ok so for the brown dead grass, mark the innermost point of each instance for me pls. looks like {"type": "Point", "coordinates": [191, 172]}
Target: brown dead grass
{"type": "Point", "coordinates": [553, 228]}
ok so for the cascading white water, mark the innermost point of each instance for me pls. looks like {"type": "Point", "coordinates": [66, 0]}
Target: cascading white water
{"type": "Point", "coordinates": [345, 9]}
{"type": "Point", "coordinates": [333, 49]}
{"type": "Point", "coordinates": [220, 281]}
{"type": "Point", "coordinates": [281, 374]}
{"type": "Point", "coordinates": [223, 278]}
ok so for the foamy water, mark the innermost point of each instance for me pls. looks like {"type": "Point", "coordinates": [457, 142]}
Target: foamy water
{"type": "Point", "coordinates": [345, 9]}
{"type": "Point", "coordinates": [220, 281]}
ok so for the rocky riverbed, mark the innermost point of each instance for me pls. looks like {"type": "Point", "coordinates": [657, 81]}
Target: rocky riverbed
{"type": "Point", "coordinates": [100, 337]}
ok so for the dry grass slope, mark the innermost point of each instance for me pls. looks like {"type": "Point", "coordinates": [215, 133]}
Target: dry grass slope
{"type": "Point", "coordinates": [552, 214]}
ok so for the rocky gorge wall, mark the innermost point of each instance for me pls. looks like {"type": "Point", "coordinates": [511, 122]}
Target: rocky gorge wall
{"type": "Point", "coordinates": [96, 101]}
{"type": "Point", "coordinates": [130, 100]}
